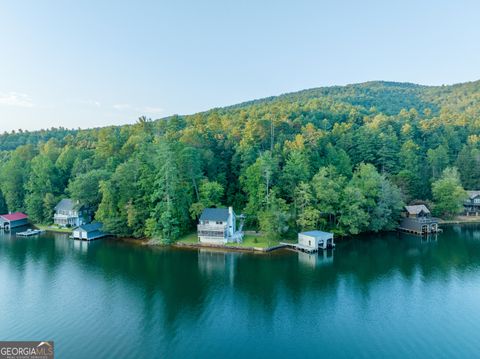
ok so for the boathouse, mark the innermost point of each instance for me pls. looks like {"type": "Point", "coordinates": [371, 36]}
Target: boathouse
{"type": "Point", "coordinates": [316, 239]}
{"type": "Point", "coordinates": [417, 219]}
{"type": "Point", "coordinates": [218, 226]}
{"type": "Point", "coordinates": [13, 220]}
{"type": "Point", "coordinates": [89, 232]}
{"type": "Point", "coordinates": [311, 241]}
{"type": "Point", "coordinates": [472, 203]}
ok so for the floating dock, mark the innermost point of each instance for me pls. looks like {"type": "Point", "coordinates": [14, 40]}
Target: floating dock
{"type": "Point", "coordinates": [30, 232]}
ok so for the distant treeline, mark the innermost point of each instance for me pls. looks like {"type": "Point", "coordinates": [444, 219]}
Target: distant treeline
{"type": "Point", "coordinates": [341, 158]}
{"type": "Point", "coordinates": [11, 140]}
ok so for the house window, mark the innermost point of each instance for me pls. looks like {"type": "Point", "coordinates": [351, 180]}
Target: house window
{"type": "Point", "coordinates": [219, 222]}
{"type": "Point", "coordinates": [310, 243]}
{"type": "Point", "coordinates": [476, 200]}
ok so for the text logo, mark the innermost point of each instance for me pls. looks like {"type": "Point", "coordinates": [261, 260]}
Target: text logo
{"type": "Point", "coordinates": [26, 350]}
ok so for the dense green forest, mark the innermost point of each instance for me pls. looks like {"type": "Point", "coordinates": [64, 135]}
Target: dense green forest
{"type": "Point", "coordinates": [339, 158]}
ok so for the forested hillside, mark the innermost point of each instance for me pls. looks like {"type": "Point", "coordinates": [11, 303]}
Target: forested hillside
{"type": "Point", "coordinates": [338, 158]}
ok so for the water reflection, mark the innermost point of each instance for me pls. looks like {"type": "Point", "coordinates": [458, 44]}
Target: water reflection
{"type": "Point", "coordinates": [166, 293]}
{"type": "Point", "coordinates": [313, 260]}
{"type": "Point", "coordinates": [215, 262]}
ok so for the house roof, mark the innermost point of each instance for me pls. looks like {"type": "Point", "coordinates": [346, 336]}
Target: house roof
{"type": "Point", "coordinates": [473, 194]}
{"type": "Point", "coordinates": [318, 234]}
{"type": "Point", "coordinates": [214, 214]}
{"type": "Point", "coordinates": [91, 227]}
{"type": "Point", "coordinates": [416, 209]}
{"type": "Point", "coordinates": [17, 216]}
{"type": "Point", "coordinates": [68, 204]}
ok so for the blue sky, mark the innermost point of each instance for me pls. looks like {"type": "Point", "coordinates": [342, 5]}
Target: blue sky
{"type": "Point", "coordinates": [95, 63]}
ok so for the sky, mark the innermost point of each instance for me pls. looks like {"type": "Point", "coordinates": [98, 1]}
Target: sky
{"type": "Point", "coordinates": [96, 63]}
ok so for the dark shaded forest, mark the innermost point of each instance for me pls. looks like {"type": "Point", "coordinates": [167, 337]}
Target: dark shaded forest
{"type": "Point", "coordinates": [344, 159]}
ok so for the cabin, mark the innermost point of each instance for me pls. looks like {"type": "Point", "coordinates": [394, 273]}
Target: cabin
{"type": "Point", "coordinates": [417, 219]}
{"type": "Point", "coordinates": [13, 220]}
{"type": "Point", "coordinates": [218, 226]}
{"type": "Point", "coordinates": [89, 232]}
{"type": "Point", "coordinates": [70, 213]}
{"type": "Point", "coordinates": [472, 203]}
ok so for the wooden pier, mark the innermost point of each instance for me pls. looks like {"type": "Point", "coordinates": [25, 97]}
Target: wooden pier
{"type": "Point", "coordinates": [419, 233]}
{"type": "Point", "coordinates": [304, 248]}
{"type": "Point", "coordinates": [299, 247]}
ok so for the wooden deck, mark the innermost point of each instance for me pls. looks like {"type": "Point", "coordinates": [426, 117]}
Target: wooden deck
{"type": "Point", "coordinates": [30, 232]}
{"type": "Point", "coordinates": [417, 232]}
{"type": "Point", "coordinates": [302, 248]}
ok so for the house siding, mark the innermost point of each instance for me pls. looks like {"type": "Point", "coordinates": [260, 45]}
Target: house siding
{"type": "Point", "coordinates": [13, 224]}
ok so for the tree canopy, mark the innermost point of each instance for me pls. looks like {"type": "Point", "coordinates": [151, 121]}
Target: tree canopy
{"type": "Point", "coordinates": [338, 158]}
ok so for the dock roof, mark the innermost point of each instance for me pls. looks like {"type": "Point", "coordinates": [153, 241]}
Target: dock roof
{"type": "Point", "coordinates": [416, 209]}
{"type": "Point", "coordinates": [91, 227]}
{"type": "Point", "coordinates": [17, 216]}
{"type": "Point", "coordinates": [318, 234]}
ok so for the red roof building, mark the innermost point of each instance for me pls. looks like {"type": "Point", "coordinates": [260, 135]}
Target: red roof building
{"type": "Point", "coordinates": [13, 220]}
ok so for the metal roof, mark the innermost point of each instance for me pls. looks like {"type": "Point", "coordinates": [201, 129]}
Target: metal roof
{"type": "Point", "coordinates": [68, 204]}
{"type": "Point", "coordinates": [91, 227]}
{"type": "Point", "coordinates": [214, 214]}
{"type": "Point", "coordinates": [318, 234]}
{"type": "Point", "coordinates": [416, 209]}
{"type": "Point", "coordinates": [17, 216]}
{"type": "Point", "coordinates": [473, 194]}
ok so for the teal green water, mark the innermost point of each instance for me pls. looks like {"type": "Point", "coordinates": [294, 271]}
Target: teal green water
{"type": "Point", "coordinates": [385, 296]}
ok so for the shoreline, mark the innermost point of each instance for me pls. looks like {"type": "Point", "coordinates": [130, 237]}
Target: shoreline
{"type": "Point", "coordinates": [461, 220]}
{"type": "Point", "coordinates": [227, 248]}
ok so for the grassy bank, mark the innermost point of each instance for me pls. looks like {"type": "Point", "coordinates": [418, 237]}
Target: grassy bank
{"type": "Point", "coordinates": [53, 228]}
{"type": "Point", "coordinates": [250, 241]}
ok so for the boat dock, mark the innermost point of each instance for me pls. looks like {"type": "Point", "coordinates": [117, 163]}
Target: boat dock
{"type": "Point", "coordinates": [30, 232]}
{"type": "Point", "coordinates": [303, 248]}
{"type": "Point", "coordinates": [312, 241]}
{"type": "Point", "coordinates": [417, 232]}
{"type": "Point", "coordinates": [299, 247]}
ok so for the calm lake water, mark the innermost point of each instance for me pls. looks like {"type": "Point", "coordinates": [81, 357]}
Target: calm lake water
{"type": "Point", "coordinates": [385, 296]}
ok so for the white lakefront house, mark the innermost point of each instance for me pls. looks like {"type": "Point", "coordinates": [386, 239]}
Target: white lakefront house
{"type": "Point", "coordinates": [70, 213]}
{"type": "Point", "coordinates": [218, 226]}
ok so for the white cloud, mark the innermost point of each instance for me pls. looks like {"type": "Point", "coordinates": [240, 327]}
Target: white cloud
{"type": "Point", "coordinates": [15, 99]}
{"type": "Point", "coordinates": [94, 103]}
{"type": "Point", "coordinates": [122, 106]}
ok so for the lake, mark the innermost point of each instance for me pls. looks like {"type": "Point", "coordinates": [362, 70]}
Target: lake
{"type": "Point", "coordinates": [376, 296]}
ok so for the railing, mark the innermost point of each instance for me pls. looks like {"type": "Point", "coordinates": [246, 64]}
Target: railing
{"type": "Point", "coordinates": [211, 227]}
{"type": "Point", "coordinates": [211, 231]}
{"type": "Point", "coordinates": [63, 216]}
{"type": "Point", "coordinates": [427, 220]}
